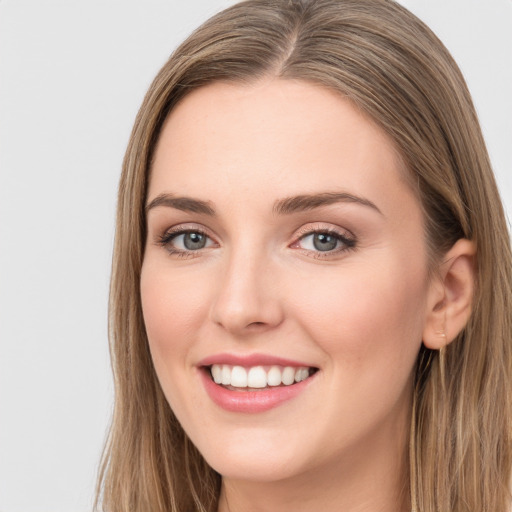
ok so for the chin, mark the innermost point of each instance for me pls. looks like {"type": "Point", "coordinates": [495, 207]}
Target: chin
{"type": "Point", "coordinates": [256, 469]}
{"type": "Point", "coordinates": [263, 460]}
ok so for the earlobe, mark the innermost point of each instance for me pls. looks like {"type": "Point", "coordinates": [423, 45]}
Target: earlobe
{"type": "Point", "coordinates": [450, 296]}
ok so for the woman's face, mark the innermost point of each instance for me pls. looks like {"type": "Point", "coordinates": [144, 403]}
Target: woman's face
{"type": "Point", "coordinates": [283, 244]}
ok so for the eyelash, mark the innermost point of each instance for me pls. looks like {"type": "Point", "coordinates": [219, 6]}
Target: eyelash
{"type": "Point", "coordinates": [347, 240]}
{"type": "Point", "coordinates": [166, 239]}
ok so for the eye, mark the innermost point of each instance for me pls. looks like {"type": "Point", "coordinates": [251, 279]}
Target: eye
{"type": "Point", "coordinates": [185, 241]}
{"type": "Point", "coordinates": [324, 242]}
{"type": "Point", "coordinates": [320, 242]}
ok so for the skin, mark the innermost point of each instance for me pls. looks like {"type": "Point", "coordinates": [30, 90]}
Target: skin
{"type": "Point", "coordinates": [358, 314]}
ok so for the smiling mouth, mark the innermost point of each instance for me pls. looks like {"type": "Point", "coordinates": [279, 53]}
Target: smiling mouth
{"type": "Point", "coordinates": [257, 378]}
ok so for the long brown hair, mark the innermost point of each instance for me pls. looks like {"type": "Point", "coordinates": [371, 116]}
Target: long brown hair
{"type": "Point", "coordinates": [388, 63]}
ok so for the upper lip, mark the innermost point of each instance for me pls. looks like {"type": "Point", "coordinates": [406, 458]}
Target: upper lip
{"type": "Point", "coordinates": [250, 360]}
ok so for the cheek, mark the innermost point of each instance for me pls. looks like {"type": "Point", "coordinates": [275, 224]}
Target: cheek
{"type": "Point", "coordinates": [359, 317]}
{"type": "Point", "coordinates": [173, 309]}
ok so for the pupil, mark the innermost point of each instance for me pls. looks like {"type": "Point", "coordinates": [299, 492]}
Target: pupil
{"type": "Point", "coordinates": [323, 242]}
{"type": "Point", "coordinates": [194, 241]}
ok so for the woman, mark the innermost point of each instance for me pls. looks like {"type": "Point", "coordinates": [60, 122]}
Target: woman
{"type": "Point", "coordinates": [311, 295]}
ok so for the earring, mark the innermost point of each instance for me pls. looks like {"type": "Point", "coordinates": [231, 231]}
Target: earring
{"type": "Point", "coordinates": [442, 364]}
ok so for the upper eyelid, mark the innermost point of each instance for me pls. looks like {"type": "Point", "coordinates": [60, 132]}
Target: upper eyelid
{"type": "Point", "coordinates": [311, 227]}
{"type": "Point", "coordinates": [314, 227]}
{"type": "Point", "coordinates": [186, 228]}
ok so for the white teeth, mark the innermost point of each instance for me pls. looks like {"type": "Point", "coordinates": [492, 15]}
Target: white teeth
{"type": "Point", "coordinates": [217, 374]}
{"type": "Point", "coordinates": [226, 375]}
{"type": "Point", "coordinates": [257, 376]}
{"type": "Point", "coordinates": [288, 376]}
{"type": "Point", "coordinates": [301, 374]}
{"type": "Point", "coordinates": [274, 376]}
{"type": "Point", "coordinates": [239, 377]}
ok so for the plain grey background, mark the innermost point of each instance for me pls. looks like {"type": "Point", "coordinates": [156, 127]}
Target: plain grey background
{"type": "Point", "coordinates": [72, 76]}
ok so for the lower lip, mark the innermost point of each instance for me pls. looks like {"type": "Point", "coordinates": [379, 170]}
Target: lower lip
{"type": "Point", "coordinates": [251, 401]}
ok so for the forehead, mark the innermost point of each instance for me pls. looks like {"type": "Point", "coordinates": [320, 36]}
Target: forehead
{"type": "Point", "coordinates": [230, 139]}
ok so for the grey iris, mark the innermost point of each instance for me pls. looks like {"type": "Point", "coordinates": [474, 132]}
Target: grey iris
{"type": "Point", "coordinates": [324, 242]}
{"type": "Point", "coordinates": [194, 241]}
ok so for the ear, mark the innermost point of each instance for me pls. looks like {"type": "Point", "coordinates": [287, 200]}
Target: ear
{"type": "Point", "coordinates": [450, 296]}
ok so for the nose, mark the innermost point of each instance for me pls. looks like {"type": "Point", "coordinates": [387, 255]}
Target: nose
{"type": "Point", "coordinates": [248, 295]}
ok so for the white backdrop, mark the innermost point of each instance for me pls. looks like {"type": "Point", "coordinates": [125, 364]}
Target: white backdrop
{"type": "Point", "coordinates": [72, 76]}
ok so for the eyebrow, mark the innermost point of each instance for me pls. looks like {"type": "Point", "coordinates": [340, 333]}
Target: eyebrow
{"type": "Point", "coordinates": [286, 206]}
{"type": "Point", "coordinates": [186, 204]}
{"type": "Point", "coordinates": [306, 202]}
